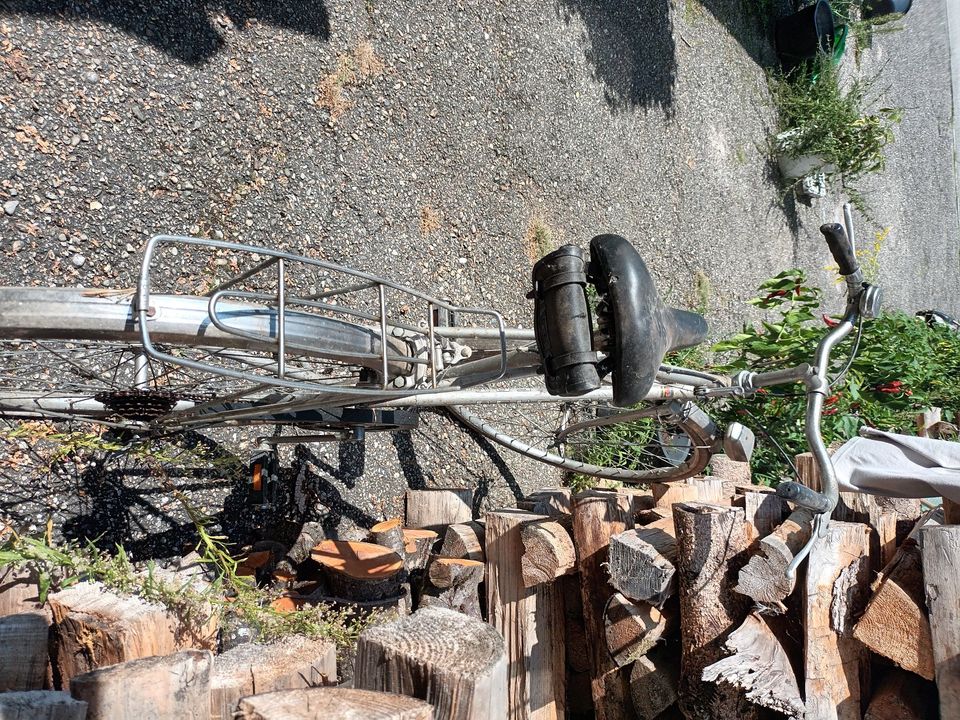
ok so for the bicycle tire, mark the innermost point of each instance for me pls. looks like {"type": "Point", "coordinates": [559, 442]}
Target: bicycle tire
{"type": "Point", "coordinates": [49, 338]}
{"type": "Point", "coordinates": [683, 420]}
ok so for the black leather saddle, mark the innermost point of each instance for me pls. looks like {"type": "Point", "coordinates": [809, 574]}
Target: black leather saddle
{"type": "Point", "coordinates": [638, 328]}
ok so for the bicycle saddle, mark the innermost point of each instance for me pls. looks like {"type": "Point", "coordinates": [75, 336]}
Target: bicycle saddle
{"type": "Point", "coordinates": [644, 329]}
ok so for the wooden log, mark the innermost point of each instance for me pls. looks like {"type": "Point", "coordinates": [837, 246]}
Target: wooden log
{"type": "Point", "coordinates": [552, 502]}
{"type": "Point", "coordinates": [941, 558]}
{"type": "Point", "coordinates": [633, 629]}
{"type": "Point", "coordinates": [653, 682]}
{"type": "Point", "coordinates": [548, 552]}
{"type": "Point", "coordinates": [93, 627]}
{"type": "Point", "coordinates": [759, 665]}
{"type": "Point", "coordinates": [418, 546]}
{"type": "Point", "coordinates": [836, 664]}
{"type": "Point", "coordinates": [642, 562]}
{"type": "Point", "coordinates": [464, 540]}
{"type": "Point", "coordinates": [435, 509]}
{"type": "Point", "coordinates": [389, 534]}
{"type": "Point", "coordinates": [666, 494]}
{"type": "Point", "coordinates": [895, 624]}
{"type": "Point", "coordinates": [332, 703]}
{"type": "Point", "coordinates": [311, 535]}
{"type": "Point", "coordinates": [41, 705]}
{"type": "Point", "coordinates": [170, 687]}
{"type": "Point", "coordinates": [578, 691]}
{"type": "Point", "coordinates": [730, 472]}
{"type": "Point", "coordinates": [762, 508]}
{"type": "Point", "coordinates": [711, 540]}
{"type": "Point", "coordinates": [901, 696]}
{"type": "Point", "coordinates": [456, 664]}
{"type": "Point", "coordinates": [763, 578]}
{"type": "Point", "coordinates": [459, 583]}
{"type": "Point", "coordinates": [597, 515]}
{"type": "Point", "coordinates": [23, 652]}
{"type": "Point", "coordinates": [19, 592]}
{"type": "Point", "coordinates": [358, 570]}
{"type": "Point", "coordinates": [527, 620]}
{"type": "Point", "coordinates": [252, 668]}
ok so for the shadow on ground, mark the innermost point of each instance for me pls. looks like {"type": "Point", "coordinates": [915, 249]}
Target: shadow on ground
{"type": "Point", "coordinates": [189, 30]}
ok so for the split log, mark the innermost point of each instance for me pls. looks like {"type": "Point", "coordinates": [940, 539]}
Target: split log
{"type": "Point", "coordinates": [711, 540]}
{"type": "Point", "coordinates": [418, 546]}
{"type": "Point", "coordinates": [332, 703]}
{"type": "Point", "coordinates": [252, 668]}
{"type": "Point", "coordinates": [759, 665]}
{"type": "Point", "coordinates": [548, 553]}
{"type": "Point", "coordinates": [666, 494]}
{"type": "Point", "coordinates": [459, 580]}
{"type": "Point", "coordinates": [23, 652]}
{"type": "Point", "coordinates": [552, 502]}
{"type": "Point", "coordinates": [836, 664]}
{"type": "Point", "coordinates": [169, 687]}
{"type": "Point", "coordinates": [358, 570]}
{"type": "Point", "coordinates": [653, 682]}
{"type": "Point", "coordinates": [464, 540]}
{"type": "Point", "coordinates": [941, 556]}
{"type": "Point", "coordinates": [633, 629]}
{"type": "Point", "coordinates": [762, 508]}
{"type": "Point", "coordinates": [597, 515]}
{"type": "Point", "coordinates": [528, 620]}
{"type": "Point", "coordinates": [389, 534]}
{"type": "Point", "coordinates": [41, 705]}
{"type": "Point", "coordinates": [642, 562]}
{"type": "Point", "coordinates": [93, 627]}
{"type": "Point", "coordinates": [730, 472]}
{"type": "Point", "coordinates": [456, 664]}
{"type": "Point", "coordinates": [895, 624]}
{"type": "Point", "coordinates": [434, 509]}
{"type": "Point", "coordinates": [901, 696]}
{"type": "Point", "coordinates": [763, 578]}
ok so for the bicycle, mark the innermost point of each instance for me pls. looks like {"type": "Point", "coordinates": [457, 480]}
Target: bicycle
{"type": "Point", "coordinates": [335, 352]}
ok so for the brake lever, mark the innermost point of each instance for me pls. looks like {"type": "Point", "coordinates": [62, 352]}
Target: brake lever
{"type": "Point", "coordinates": [818, 530]}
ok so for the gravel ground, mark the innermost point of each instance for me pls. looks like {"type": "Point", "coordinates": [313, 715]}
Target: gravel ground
{"type": "Point", "coordinates": [417, 140]}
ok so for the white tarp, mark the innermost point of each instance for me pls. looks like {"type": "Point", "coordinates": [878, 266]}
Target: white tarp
{"type": "Point", "coordinates": [884, 463]}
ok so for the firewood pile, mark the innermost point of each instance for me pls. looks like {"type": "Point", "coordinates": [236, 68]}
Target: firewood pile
{"type": "Point", "coordinates": [616, 604]}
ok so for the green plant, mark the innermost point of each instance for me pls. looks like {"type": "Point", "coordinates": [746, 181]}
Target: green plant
{"type": "Point", "coordinates": [841, 123]}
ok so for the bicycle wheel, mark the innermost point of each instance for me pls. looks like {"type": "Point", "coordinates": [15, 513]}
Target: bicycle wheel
{"type": "Point", "coordinates": [656, 443]}
{"type": "Point", "coordinates": [75, 354]}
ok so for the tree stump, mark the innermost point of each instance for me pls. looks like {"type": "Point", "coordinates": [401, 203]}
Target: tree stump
{"type": "Point", "coordinates": [172, 687]}
{"type": "Point", "coordinates": [456, 664]}
{"type": "Point", "coordinates": [332, 703]}
{"type": "Point", "coordinates": [41, 705]}
{"type": "Point", "coordinates": [23, 652]}
{"type": "Point", "coordinates": [358, 570]}
{"type": "Point", "coordinates": [252, 668]}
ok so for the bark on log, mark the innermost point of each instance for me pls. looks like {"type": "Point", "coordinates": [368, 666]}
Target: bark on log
{"type": "Point", "coordinates": [730, 472]}
{"type": "Point", "coordinates": [358, 570]}
{"type": "Point", "coordinates": [23, 652]}
{"type": "Point", "coordinates": [711, 541]}
{"type": "Point", "coordinates": [389, 534]}
{"type": "Point", "coordinates": [653, 682]}
{"type": "Point", "coordinates": [253, 669]}
{"type": "Point", "coordinates": [634, 629]}
{"type": "Point", "coordinates": [762, 508]}
{"type": "Point", "coordinates": [41, 705]}
{"type": "Point", "coordinates": [311, 535]}
{"type": "Point", "coordinates": [763, 578]}
{"type": "Point", "coordinates": [528, 620]}
{"type": "Point", "coordinates": [901, 696]}
{"type": "Point", "coordinates": [642, 562]}
{"type": "Point", "coordinates": [93, 627]}
{"type": "Point", "coordinates": [458, 582]}
{"type": "Point", "coordinates": [836, 664]}
{"type": "Point", "coordinates": [333, 703]}
{"type": "Point", "coordinates": [464, 540]}
{"type": "Point", "coordinates": [172, 687]}
{"type": "Point", "coordinates": [548, 553]}
{"type": "Point", "coordinates": [759, 665]}
{"type": "Point", "coordinates": [418, 546]}
{"type": "Point", "coordinates": [435, 509]}
{"type": "Point", "coordinates": [895, 624]}
{"type": "Point", "coordinates": [596, 516]}
{"type": "Point", "coordinates": [941, 557]}
{"type": "Point", "coordinates": [456, 664]}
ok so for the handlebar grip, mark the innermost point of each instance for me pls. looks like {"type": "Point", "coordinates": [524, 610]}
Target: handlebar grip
{"type": "Point", "coordinates": [804, 496]}
{"type": "Point", "coordinates": [840, 248]}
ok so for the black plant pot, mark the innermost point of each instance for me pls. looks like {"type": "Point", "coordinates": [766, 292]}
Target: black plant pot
{"type": "Point", "coordinates": [877, 8]}
{"type": "Point", "coordinates": [800, 36]}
